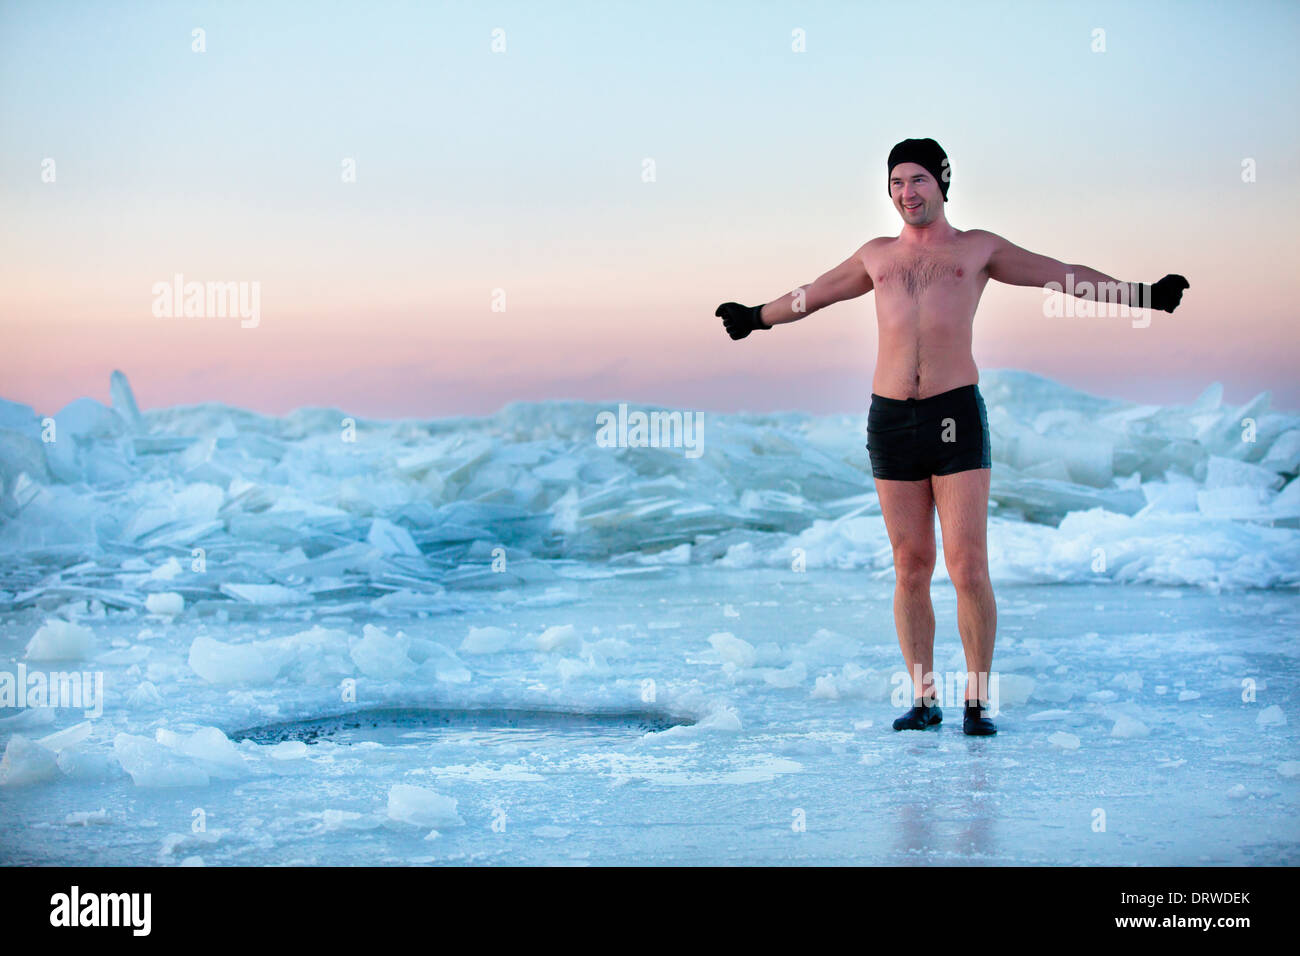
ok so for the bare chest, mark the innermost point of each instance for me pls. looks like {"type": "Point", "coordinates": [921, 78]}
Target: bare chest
{"type": "Point", "coordinates": [913, 273]}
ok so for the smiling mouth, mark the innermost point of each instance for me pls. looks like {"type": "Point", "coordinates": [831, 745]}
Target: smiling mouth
{"type": "Point", "coordinates": [917, 206]}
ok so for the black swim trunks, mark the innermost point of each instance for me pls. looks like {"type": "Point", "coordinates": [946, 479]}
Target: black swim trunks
{"type": "Point", "coordinates": [912, 439]}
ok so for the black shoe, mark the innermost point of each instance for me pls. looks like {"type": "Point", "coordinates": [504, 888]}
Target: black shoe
{"type": "Point", "coordinates": [975, 723]}
{"type": "Point", "coordinates": [920, 717]}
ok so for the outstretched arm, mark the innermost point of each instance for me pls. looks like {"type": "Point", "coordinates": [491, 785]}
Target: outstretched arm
{"type": "Point", "coordinates": [1010, 264]}
{"type": "Point", "coordinates": [848, 280]}
{"type": "Point", "coordinates": [1013, 265]}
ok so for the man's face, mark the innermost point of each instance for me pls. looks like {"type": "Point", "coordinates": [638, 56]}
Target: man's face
{"type": "Point", "coordinates": [916, 194]}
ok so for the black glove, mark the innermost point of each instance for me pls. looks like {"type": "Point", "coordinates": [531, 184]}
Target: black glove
{"type": "Point", "coordinates": [739, 320]}
{"type": "Point", "coordinates": [1165, 295]}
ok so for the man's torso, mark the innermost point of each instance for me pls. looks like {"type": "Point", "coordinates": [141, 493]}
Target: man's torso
{"type": "Point", "coordinates": [926, 294]}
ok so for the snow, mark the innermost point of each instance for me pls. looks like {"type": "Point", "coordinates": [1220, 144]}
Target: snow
{"type": "Point", "coordinates": [226, 571]}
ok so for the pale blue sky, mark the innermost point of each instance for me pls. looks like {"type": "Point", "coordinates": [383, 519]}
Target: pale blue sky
{"type": "Point", "coordinates": [522, 171]}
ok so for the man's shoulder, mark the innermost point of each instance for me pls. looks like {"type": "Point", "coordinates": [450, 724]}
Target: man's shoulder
{"type": "Point", "coordinates": [877, 244]}
{"type": "Point", "coordinates": [982, 236]}
{"type": "Point", "coordinates": [981, 242]}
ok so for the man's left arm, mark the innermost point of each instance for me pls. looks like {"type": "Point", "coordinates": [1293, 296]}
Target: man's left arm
{"type": "Point", "coordinates": [1012, 265]}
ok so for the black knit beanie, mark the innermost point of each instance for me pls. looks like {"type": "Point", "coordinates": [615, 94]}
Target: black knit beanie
{"type": "Point", "coordinates": [925, 153]}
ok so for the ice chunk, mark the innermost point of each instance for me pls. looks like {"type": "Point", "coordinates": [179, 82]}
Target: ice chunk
{"type": "Point", "coordinates": [733, 649]}
{"type": "Point", "coordinates": [422, 807]}
{"type": "Point", "coordinates": [1235, 502]}
{"type": "Point", "coordinates": [263, 594]}
{"type": "Point", "coordinates": [84, 445]}
{"type": "Point", "coordinates": [288, 750]}
{"type": "Point", "coordinates": [391, 539]}
{"type": "Point", "coordinates": [218, 663]}
{"type": "Point", "coordinates": [787, 677]}
{"type": "Point", "coordinates": [1064, 741]}
{"type": "Point", "coordinates": [27, 762]}
{"type": "Point", "coordinates": [1289, 768]}
{"type": "Point", "coordinates": [19, 418]}
{"type": "Point", "coordinates": [678, 555]}
{"type": "Point", "coordinates": [179, 518]}
{"type": "Point", "coordinates": [1271, 716]}
{"type": "Point", "coordinates": [1049, 715]}
{"type": "Point", "coordinates": [119, 390]}
{"type": "Point", "coordinates": [1284, 454]}
{"type": "Point", "coordinates": [208, 748]}
{"type": "Point", "coordinates": [1287, 503]}
{"type": "Point", "coordinates": [826, 688]}
{"type": "Point", "coordinates": [144, 696]}
{"type": "Point", "coordinates": [1126, 726]}
{"type": "Point", "coordinates": [317, 656]}
{"type": "Point", "coordinates": [165, 602]}
{"type": "Point", "coordinates": [68, 737]}
{"type": "Point", "coordinates": [381, 656]}
{"type": "Point", "coordinates": [1131, 681]}
{"type": "Point", "coordinates": [58, 640]}
{"type": "Point", "coordinates": [485, 640]}
{"type": "Point", "coordinates": [82, 765]}
{"type": "Point", "coordinates": [560, 637]}
{"type": "Point", "coordinates": [154, 766]}
{"type": "Point", "coordinates": [1229, 473]}
{"type": "Point", "coordinates": [1173, 497]}
{"type": "Point", "coordinates": [84, 818]}
{"type": "Point", "coordinates": [853, 683]}
{"type": "Point", "coordinates": [719, 720]}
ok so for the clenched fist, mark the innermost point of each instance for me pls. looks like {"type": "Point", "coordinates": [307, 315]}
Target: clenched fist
{"type": "Point", "coordinates": [739, 320]}
{"type": "Point", "coordinates": [1166, 294]}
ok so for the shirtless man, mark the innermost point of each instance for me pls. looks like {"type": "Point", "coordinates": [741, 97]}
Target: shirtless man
{"type": "Point", "coordinates": [927, 430]}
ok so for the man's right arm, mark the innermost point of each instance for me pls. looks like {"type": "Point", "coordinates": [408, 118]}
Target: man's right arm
{"type": "Point", "coordinates": [848, 280]}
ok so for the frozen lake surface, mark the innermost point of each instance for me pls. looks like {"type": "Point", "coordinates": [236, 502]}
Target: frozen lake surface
{"type": "Point", "coordinates": [792, 758]}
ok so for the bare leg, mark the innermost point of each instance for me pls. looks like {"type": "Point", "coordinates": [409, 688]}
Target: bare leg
{"type": "Point", "coordinates": [908, 510]}
{"type": "Point", "coordinates": [963, 504]}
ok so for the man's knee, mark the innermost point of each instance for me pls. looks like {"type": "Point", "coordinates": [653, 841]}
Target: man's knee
{"type": "Point", "coordinates": [914, 565]}
{"type": "Point", "coordinates": [968, 569]}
